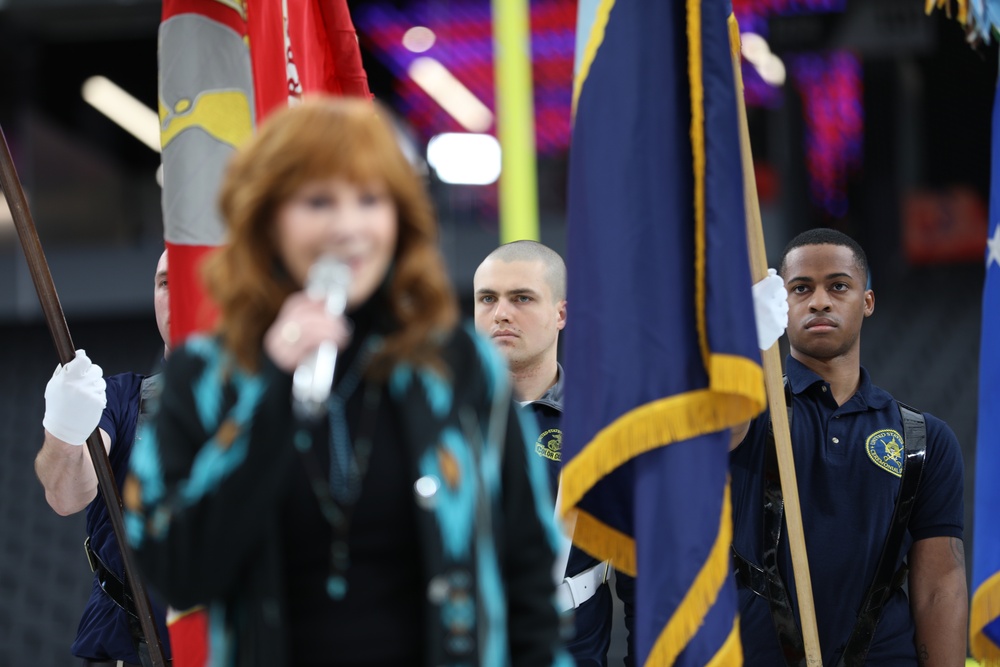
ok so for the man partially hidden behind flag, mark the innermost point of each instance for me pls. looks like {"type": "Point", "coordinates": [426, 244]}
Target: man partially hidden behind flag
{"type": "Point", "coordinates": [664, 357]}
{"type": "Point", "coordinates": [984, 630]}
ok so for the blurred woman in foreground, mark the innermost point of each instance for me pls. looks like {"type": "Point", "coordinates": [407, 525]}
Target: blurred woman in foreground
{"type": "Point", "coordinates": [405, 525]}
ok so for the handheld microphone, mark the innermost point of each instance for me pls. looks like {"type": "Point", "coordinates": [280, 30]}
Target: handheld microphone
{"type": "Point", "coordinates": [328, 279]}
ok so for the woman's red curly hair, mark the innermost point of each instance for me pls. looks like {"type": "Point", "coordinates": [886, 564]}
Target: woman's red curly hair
{"type": "Point", "coordinates": [319, 139]}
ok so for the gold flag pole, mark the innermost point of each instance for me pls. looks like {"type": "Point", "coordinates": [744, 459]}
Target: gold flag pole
{"type": "Point", "coordinates": [515, 121]}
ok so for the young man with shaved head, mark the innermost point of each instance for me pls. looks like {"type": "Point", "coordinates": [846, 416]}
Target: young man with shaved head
{"type": "Point", "coordinates": [520, 304]}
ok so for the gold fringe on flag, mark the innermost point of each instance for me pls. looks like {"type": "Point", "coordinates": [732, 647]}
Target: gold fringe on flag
{"type": "Point", "coordinates": [962, 15]}
{"type": "Point", "coordinates": [698, 157]}
{"type": "Point", "coordinates": [731, 651]}
{"type": "Point", "coordinates": [985, 609]}
{"type": "Point", "coordinates": [594, 536]}
{"type": "Point", "coordinates": [594, 41]}
{"type": "Point", "coordinates": [736, 395]}
{"type": "Point", "coordinates": [690, 614]}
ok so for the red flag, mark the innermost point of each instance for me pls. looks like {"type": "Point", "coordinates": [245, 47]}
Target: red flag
{"type": "Point", "coordinates": [322, 45]}
{"type": "Point", "coordinates": [206, 111]}
{"type": "Point", "coordinates": [188, 637]}
{"type": "Point", "coordinates": [225, 65]}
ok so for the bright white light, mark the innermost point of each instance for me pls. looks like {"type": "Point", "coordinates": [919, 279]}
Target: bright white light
{"type": "Point", "coordinates": [132, 115]}
{"type": "Point", "coordinates": [469, 159]}
{"type": "Point", "coordinates": [754, 47]}
{"type": "Point", "coordinates": [757, 52]}
{"type": "Point", "coordinates": [451, 94]}
{"type": "Point", "coordinates": [418, 39]}
{"type": "Point", "coordinates": [772, 70]}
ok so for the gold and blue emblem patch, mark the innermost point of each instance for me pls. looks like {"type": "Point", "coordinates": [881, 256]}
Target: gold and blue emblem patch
{"type": "Point", "coordinates": [549, 444]}
{"type": "Point", "coordinates": [885, 449]}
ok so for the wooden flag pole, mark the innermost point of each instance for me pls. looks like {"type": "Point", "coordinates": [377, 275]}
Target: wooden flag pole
{"type": "Point", "coordinates": [56, 320]}
{"type": "Point", "coordinates": [773, 382]}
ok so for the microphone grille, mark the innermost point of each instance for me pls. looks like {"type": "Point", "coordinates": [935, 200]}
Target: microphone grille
{"type": "Point", "coordinates": [328, 274]}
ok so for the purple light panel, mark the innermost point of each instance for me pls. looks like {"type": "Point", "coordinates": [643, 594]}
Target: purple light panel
{"type": "Point", "coordinates": [464, 44]}
{"type": "Point", "coordinates": [830, 86]}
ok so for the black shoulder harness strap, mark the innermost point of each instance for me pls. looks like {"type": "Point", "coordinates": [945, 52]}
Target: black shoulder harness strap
{"type": "Point", "coordinates": [766, 581]}
{"type": "Point", "coordinates": [887, 578]}
{"type": "Point", "coordinates": [774, 591]}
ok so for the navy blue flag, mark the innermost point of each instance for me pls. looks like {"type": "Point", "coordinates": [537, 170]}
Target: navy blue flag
{"type": "Point", "coordinates": [984, 625]}
{"type": "Point", "coordinates": [661, 356]}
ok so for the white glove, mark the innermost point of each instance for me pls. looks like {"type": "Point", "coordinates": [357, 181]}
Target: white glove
{"type": "Point", "coordinates": [770, 309]}
{"type": "Point", "coordinates": [74, 400]}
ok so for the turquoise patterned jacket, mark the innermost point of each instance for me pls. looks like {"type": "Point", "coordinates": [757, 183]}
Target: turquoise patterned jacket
{"type": "Point", "coordinates": [208, 476]}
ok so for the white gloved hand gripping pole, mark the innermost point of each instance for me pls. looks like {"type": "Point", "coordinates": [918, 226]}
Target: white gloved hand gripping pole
{"type": "Point", "coordinates": [74, 400]}
{"type": "Point", "coordinates": [770, 309]}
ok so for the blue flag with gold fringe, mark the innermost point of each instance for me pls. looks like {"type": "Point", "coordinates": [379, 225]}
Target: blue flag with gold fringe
{"type": "Point", "coordinates": [984, 625]}
{"type": "Point", "coordinates": [661, 353]}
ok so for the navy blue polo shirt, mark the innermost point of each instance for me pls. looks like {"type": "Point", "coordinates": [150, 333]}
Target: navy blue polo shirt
{"type": "Point", "coordinates": [103, 632]}
{"type": "Point", "coordinates": [592, 619]}
{"type": "Point", "coordinates": [847, 462]}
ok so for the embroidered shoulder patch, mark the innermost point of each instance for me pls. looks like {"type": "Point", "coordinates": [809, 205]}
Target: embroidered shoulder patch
{"type": "Point", "coordinates": [885, 449]}
{"type": "Point", "coordinates": [549, 444]}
